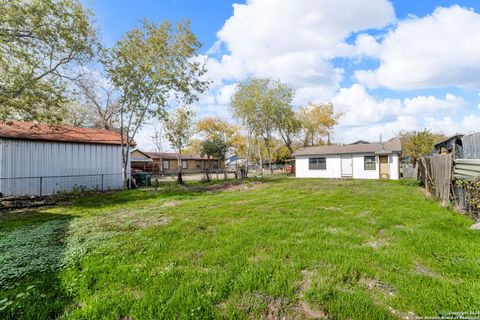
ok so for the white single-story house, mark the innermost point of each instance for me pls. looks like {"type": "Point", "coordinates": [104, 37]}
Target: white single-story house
{"type": "Point", "coordinates": [360, 160]}
{"type": "Point", "coordinates": [41, 159]}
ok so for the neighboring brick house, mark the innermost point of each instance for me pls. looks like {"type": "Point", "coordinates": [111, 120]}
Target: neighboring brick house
{"type": "Point", "coordinates": [167, 162]}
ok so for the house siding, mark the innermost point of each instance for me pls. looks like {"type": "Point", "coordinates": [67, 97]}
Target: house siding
{"type": "Point", "coordinates": [358, 167]}
{"type": "Point", "coordinates": [334, 167]}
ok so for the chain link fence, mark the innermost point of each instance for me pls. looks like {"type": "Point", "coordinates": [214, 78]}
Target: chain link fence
{"type": "Point", "coordinates": [51, 185]}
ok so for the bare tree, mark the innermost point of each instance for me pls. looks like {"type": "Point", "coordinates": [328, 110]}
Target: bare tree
{"type": "Point", "coordinates": [101, 97]}
{"type": "Point", "coordinates": [158, 137]}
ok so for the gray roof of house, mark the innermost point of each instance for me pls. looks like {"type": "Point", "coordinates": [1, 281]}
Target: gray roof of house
{"type": "Point", "coordinates": [387, 147]}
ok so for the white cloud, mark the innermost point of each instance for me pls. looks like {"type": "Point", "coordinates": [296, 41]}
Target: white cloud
{"type": "Point", "coordinates": [359, 108]}
{"type": "Point", "coordinates": [430, 104]}
{"type": "Point", "coordinates": [296, 40]}
{"type": "Point", "coordinates": [367, 45]}
{"type": "Point", "coordinates": [366, 117]}
{"type": "Point", "coordinates": [438, 50]}
{"type": "Point", "coordinates": [470, 124]}
{"type": "Point", "coordinates": [449, 126]}
{"type": "Point", "coordinates": [293, 40]}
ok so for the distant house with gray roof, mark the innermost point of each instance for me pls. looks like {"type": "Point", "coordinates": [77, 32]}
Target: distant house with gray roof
{"type": "Point", "coordinates": [360, 160]}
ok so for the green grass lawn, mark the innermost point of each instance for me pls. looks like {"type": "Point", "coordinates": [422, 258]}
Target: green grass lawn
{"type": "Point", "coordinates": [274, 248]}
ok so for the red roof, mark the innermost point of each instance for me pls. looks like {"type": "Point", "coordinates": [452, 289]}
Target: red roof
{"type": "Point", "coordinates": [61, 133]}
{"type": "Point", "coordinates": [171, 155]}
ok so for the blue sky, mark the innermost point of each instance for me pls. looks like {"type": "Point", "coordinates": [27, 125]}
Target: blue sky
{"type": "Point", "coordinates": [387, 65]}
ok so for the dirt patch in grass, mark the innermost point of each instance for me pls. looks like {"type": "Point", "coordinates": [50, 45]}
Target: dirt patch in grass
{"type": "Point", "coordinates": [129, 219]}
{"type": "Point", "coordinates": [333, 230]}
{"type": "Point", "coordinates": [171, 203]}
{"type": "Point", "coordinates": [364, 214]}
{"type": "Point", "coordinates": [141, 222]}
{"type": "Point", "coordinates": [229, 187]}
{"type": "Point", "coordinates": [380, 241]}
{"type": "Point", "coordinates": [277, 309]}
{"type": "Point", "coordinates": [379, 286]}
{"type": "Point", "coordinates": [303, 310]}
{"type": "Point", "coordinates": [337, 209]}
{"type": "Point", "coordinates": [403, 315]}
{"type": "Point", "coordinates": [420, 268]}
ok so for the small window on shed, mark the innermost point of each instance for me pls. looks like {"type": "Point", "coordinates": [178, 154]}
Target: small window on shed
{"type": "Point", "coordinates": [184, 164]}
{"type": "Point", "coordinates": [317, 163]}
{"type": "Point", "coordinates": [198, 163]}
{"type": "Point", "coordinates": [165, 164]}
{"type": "Point", "coordinates": [369, 163]}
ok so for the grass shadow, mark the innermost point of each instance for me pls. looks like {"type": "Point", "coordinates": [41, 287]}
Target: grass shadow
{"type": "Point", "coordinates": [166, 190]}
{"type": "Point", "coordinates": [32, 255]}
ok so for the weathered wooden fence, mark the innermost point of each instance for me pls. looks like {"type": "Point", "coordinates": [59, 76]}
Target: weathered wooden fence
{"type": "Point", "coordinates": [435, 173]}
{"type": "Point", "coordinates": [446, 177]}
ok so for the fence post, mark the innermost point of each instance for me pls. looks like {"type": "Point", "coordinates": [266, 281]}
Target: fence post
{"type": "Point", "coordinates": [102, 182]}
{"type": "Point", "coordinates": [41, 182]}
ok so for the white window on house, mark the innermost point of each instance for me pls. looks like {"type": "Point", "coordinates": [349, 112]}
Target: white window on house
{"type": "Point", "coordinates": [184, 164]}
{"type": "Point", "coordinates": [369, 163]}
{"type": "Point", "coordinates": [198, 163]}
{"type": "Point", "coordinates": [317, 163]}
{"type": "Point", "coordinates": [166, 164]}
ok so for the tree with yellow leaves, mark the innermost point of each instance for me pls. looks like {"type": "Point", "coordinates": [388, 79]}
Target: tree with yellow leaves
{"type": "Point", "coordinates": [318, 121]}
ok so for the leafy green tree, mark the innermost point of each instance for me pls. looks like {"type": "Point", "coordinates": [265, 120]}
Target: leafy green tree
{"type": "Point", "coordinates": [150, 65]}
{"type": "Point", "coordinates": [243, 106]}
{"type": "Point", "coordinates": [179, 129]}
{"type": "Point", "coordinates": [214, 147]}
{"type": "Point", "coordinates": [288, 125]}
{"type": "Point", "coordinates": [257, 103]}
{"type": "Point", "coordinates": [216, 128]}
{"type": "Point", "coordinates": [417, 144]}
{"type": "Point", "coordinates": [41, 43]}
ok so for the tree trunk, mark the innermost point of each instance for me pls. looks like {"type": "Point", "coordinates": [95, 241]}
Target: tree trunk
{"type": "Point", "coordinates": [207, 171]}
{"type": "Point", "coordinates": [249, 136]}
{"type": "Point", "coordinates": [179, 176]}
{"type": "Point", "coordinates": [269, 156]}
{"type": "Point", "coordinates": [236, 165]}
{"type": "Point", "coordinates": [289, 147]}
{"type": "Point", "coordinates": [261, 158]}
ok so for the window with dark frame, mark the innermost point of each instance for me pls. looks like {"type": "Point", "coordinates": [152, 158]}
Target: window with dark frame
{"type": "Point", "coordinates": [369, 163]}
{"type": "Point", "coordinates": [165, 164]}
{"type": "Point", "coordinates": [317, 163]}
{"type": "Point", "coordinates": [199, 164]}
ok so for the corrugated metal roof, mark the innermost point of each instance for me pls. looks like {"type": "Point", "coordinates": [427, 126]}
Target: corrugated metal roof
{"type": "Point", "coordinates": [454, 137]}
{"type": "Point", "coordinates": [387, 147]}
{"type": "Point", "coordinates": [59, 133]}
